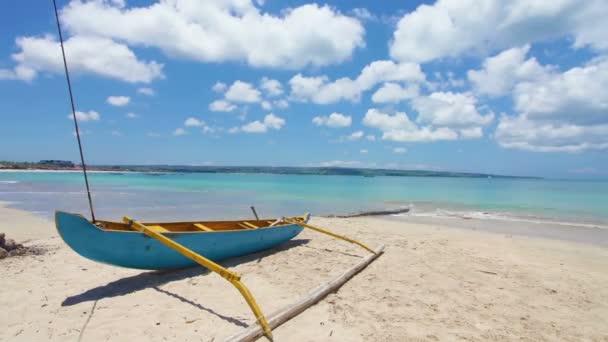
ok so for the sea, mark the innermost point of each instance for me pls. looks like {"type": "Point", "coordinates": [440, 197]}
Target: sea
{"type": "Point", "coordinates": [216, 196]}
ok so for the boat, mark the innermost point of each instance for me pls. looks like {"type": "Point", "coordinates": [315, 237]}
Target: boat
{"type": "Point", "coordinates": [170, 245]}
{"type": "Point", "coordinates": [119, 244]}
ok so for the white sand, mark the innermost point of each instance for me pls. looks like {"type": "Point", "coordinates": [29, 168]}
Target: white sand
{"type": "Point", "coordinates": [433, 283]}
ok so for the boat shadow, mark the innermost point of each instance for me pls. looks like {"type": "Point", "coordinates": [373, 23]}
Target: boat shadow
{"type": "Point", "coordinates": [154, 279]}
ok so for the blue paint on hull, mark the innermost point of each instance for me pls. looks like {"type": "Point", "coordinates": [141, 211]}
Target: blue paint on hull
{"type": "Point", "coordinates": [136, 250]}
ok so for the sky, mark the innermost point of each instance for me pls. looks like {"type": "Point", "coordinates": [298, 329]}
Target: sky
{"type": "Point", "coordinates": [516, 88]}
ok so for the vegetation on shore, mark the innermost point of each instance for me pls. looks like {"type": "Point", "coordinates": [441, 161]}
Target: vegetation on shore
{"type": "Point", "coordinates": [364, 172]}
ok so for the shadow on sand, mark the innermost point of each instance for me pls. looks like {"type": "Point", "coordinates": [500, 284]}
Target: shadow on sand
{"type": "Point", "coordinates": [154, 279]}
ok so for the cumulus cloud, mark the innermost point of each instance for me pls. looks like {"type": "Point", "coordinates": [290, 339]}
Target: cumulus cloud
{"type": "Point", "coordinates": [221, 106]}
{"type": "Point", "coordinates": [319, 89]}
{"type": "Point", "coordinates": [270, 122]}
{"type": "Point", "coordinates": [219, 87]}
{"type": "Point", "coordinates": [241, 91]}
{"type": "Point", "coordinates": [145, 91]}
{"type": "Point", "coordinates": [450, 109]}
{"type": "Point", "coordinates": [193, 122]}
{"type": "Point", "coordinates": [560, 112]}
{"type": "Point", "coordinates": [541, 136]}
{"type": "Point", "coordinates": [333, 120]}
{"type": "Point", "coordinates": [118, 101]}
{"type": "Point", "coordinates": [281, 104]}
{"type": "Point", "coordinates": [398, 127]}
{"type": "Point", "coordinates": [399, 150]}
{"type": "Point", "coordinates": [451, 28]}
{"type": "Point", "coordinates": [132, 116]}
{"type": "Point", "coordinates": [271, 87]}
{"type": "Point", "coordinates": [500, 73]}
{"type": "Point", "coordinates": [219, 31]}
{"type": "Point", "coordinates": [180, 131]}
{"type": "Point", "coordinates": [340, 163]}
{"type": "Point", "coordinates": [85, 116]}
{"type": "Point", "coordinates": [393, 93]}
{"type": "Point", "coordinates": [577, 95]}
{"type": "Point", "coordinates": [85, 54]}
{"type": "Point", "coordinates": [354, 136]}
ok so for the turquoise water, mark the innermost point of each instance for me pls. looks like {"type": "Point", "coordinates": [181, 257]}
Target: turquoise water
{"type": "Point", "coordinates": [216, 196]}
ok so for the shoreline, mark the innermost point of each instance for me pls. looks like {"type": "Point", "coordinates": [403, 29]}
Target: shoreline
{"type": "Point", "coordinates": [594, 234]}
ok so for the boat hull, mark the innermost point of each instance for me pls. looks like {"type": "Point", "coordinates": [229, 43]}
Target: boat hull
{"type": "Point", "coordinates": [137, 250]}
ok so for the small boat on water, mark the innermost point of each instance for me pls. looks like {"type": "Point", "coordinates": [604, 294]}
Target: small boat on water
{"type": "Point", "coordinates": [119, 244]}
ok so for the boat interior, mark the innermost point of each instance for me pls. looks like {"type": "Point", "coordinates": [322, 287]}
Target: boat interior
{"type": "Point", "coordinates": [210, 226]}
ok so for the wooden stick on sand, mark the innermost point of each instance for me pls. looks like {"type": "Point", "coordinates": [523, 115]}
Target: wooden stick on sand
{"type": "Point", "coordinates": [281, 316]}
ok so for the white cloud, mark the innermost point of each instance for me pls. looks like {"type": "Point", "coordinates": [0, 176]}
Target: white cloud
{"type": "Point", "coordinates": [370, 137]}
{"type": "Point", "coordinates": [266, 105]}
{"type": "Point", "coordinates": [333, 120]}
{"type": "Point", "coordinates": [319, 89]}
{"type": "Point", "coordinates": [471, 133]}
{"type": "Point", "coordinates": [219, 87]}
{"type": "Point", "coordinates": [281, 104]}
{"type": "Point", "coordinates": [85, 55]}
{"type": "Point", "coordinates": [221, 106]}
{"type": "Point", "coordinates": [270, 121]}
{"type": "Point", "coordinates": [577, 95]}
{"type": "Point", "coordinates": [85, 116]}
{"type": "Point", "coordinates": [118, 101]}
{"type": "Point", "coordinates": [132, 116]}
{"type": "Point", "coordinates": [340, 163]}
{"type": "Point", "coordinates": [393, 93]}
{"type": "Point", "coordinates": [219, 31]}
{"type": "Point", "coordinates": [194, 122]}
{"type": "Point", "coordinates": [538, 136]}
{"type": "Point", "coordinates": [450, 109]}
{"type": "Point", "coordinates": [399, 127]}
{"type": "Point", "coordinates": [180, 131]}
{"type": "Point", "coordinates": [241, 91]}
{"type": "Point", "coordinates": [399, 150]}
{"type": "Point", "coordinates": [454, 27]}
{"type": "Point", "coordinates": [146, 91]}
{"type": "Point", "coordinates": [500, 73]}
{"type": "Point", "coordinates": [559, 111]}
{"type": "Point", "coordinates": [364, 14]}
{"type": "Point", "coordinates": [271, 87]}
{"type": "Point", "coordinates": [354, 136]}
{"type": "Point", "coordinates": [363, 151]}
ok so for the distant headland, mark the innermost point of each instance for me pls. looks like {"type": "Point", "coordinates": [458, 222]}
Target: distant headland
{"type": "Point", "coordinates": [64, 165]}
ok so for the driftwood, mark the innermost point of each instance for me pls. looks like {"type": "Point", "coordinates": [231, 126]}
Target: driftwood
{"type": "Point", "coordinates": [281, 316]}
{"type": "Point", "coordinates": [373, 213]}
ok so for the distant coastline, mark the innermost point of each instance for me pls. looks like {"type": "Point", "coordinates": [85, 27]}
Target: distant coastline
{"type": "Point", "coordinates": [277, 170]}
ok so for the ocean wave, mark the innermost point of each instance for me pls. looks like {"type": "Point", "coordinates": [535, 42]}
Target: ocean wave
{"type": "Point", "coordinates": [483, 215]}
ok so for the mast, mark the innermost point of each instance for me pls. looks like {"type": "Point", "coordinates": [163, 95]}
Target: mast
{"type": "Point", "coordinates": [67, 77]}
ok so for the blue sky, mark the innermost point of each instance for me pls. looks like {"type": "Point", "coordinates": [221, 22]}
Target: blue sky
{"type": "Point", "coordinates": [510, 88]}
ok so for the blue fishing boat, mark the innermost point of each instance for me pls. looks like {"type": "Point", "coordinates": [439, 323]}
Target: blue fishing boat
{"type": "Point", "coordinates": [121, 245]}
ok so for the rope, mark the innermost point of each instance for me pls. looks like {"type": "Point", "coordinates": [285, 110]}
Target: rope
{"type": "Point", "coordinates": [67, 77]}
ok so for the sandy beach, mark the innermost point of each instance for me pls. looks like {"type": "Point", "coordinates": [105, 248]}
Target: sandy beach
{"type": "Point", "coordinates": [434, 282]}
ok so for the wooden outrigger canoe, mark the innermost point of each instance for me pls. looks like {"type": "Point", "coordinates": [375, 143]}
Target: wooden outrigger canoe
{"type": "Point", "coordinates": [121, 245]}
{"type": "Point", "coordinates": [140, 245]}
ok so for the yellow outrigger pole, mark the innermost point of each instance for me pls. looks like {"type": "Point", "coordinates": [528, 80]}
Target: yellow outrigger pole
{"type": "Point", "coordinates": [233, 277]}
{"type": "Point", "coordinates": [329, 233]}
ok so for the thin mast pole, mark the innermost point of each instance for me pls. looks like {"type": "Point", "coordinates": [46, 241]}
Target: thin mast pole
{"type": "Point", "coordinates": [67, 77]}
